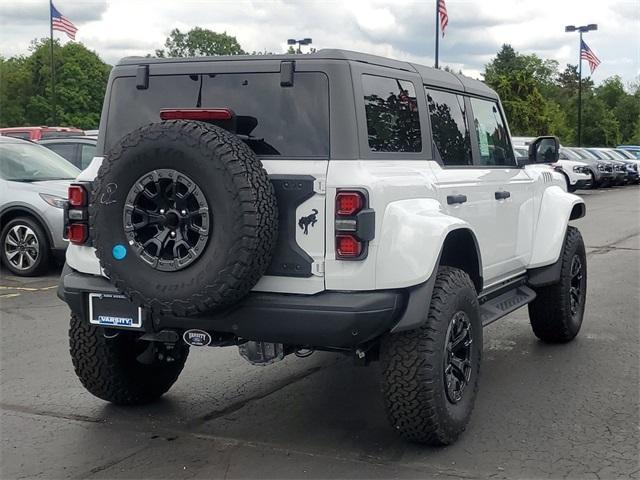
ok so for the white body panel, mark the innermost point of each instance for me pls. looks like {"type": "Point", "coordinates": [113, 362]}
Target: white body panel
{"type": "Point", "coordinates": [555, 209]}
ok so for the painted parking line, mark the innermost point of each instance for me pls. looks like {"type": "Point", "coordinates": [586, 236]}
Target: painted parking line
{"type": "Point", "coordinates": [20, 290]}
{"type": "Point", "coordinates": [10, 295]}
{"type": "Point", "coordinates": [28, 289]}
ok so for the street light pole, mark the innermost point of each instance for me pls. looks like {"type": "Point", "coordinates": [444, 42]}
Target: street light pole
{"type": "Point", "coordinates": [581, 29]}
{"type": "Point", "coordinates": [580, 91]}
{"type": "Point", "coordinates": [304, 41]}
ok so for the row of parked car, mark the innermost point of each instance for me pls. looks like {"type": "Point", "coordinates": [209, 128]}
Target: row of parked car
{"type": "Point", "coordinates": [589, 167]}
{"type": "Point", "coordinates": [33, 192]}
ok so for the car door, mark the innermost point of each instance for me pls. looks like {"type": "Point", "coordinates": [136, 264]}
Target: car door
{"type": "Point", "coordinates": [479, 182]}
{"type": "Point", "coordinates": [511, 188]}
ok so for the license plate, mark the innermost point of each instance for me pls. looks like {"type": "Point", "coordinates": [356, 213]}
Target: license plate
{"type": "Point", "coordinates": [113, 310]}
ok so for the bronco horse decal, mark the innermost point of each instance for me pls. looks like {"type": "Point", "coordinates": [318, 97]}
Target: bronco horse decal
{"type": "Point", "coordinates": [309, 220]}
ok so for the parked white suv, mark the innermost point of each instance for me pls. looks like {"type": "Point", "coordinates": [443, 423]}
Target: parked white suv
{"type": "Point", "coordinates": [332, 201]}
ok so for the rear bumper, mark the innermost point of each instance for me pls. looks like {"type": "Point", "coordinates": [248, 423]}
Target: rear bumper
{"type": "Point", "coordinates": [327, 319]}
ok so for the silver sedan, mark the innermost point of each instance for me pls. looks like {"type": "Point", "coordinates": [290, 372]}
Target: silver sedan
{"type": "Point", "coordinates": [33, 192]}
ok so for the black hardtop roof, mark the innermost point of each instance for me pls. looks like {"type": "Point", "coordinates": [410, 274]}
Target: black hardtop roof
{"type": "Point", "coordinates": [431, 76]}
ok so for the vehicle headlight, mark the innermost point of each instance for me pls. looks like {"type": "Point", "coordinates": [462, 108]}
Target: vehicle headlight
{"type": "Point", "coordinates": [601, 167]}
{"type": "Point", "coordinates": [54, 200]}
{"type": "Point", "coordinates": [579, 169]}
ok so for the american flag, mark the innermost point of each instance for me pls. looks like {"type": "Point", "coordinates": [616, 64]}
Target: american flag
{"type": "Point", "coordinates": [587, 54]}
{"type": "Point", "coordinates": [444, 18]}
{"type": "Point", "coordinates": [61, 23]}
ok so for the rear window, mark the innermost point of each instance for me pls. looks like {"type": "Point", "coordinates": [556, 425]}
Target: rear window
{"type": "Point", "coordinates": [276, 121]}
{"type": "Point", "coordinates": [24, 135]}
{"type": "Point", "coordinates": [59, 134]}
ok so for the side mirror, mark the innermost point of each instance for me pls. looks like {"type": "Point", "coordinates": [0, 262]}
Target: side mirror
{"type": "Point", "coordinates": [544, 150]}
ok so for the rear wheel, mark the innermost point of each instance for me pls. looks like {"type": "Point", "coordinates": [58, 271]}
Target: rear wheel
{"type": "Point", "coordinates": [119, 368]}
{"type": "Point", "coordinates": [557, 312]}
{"type": "Point", "coordinates": [430, 375]}
{"type": "Point", "coordinates": [25, 247]}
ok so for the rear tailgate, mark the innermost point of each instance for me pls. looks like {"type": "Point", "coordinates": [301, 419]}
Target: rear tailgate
{"type": "Point", "coordinates": [283, 118]}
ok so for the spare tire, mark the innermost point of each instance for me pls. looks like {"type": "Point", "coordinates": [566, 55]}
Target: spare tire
{"type": "Point", "coordinates": [183, 217]}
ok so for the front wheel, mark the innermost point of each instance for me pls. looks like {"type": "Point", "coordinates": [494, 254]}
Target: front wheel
{"type": "Point", "coordinates": [430, 375]}
{"type": "Point", "coordinates": [557, 312]}
{"type": "Point", "coordinates": [120, 368]}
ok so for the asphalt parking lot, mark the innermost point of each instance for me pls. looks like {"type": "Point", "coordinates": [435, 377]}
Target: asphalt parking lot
{"type": "Point", "coordinates": [569, 411]}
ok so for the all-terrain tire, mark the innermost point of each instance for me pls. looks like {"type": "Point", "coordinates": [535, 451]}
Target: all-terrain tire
{"type": "Point", "coordinates": [414, 386]}
{"type": "Point", "coordinates": [241, 226]}
{"type": "Point", "coordinates": [554, 316]}
{"type": "Point", "coordinates": [110, 369]}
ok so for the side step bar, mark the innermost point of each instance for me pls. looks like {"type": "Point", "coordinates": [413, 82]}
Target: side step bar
{"type": "Point", "coordinates": [497, 307]}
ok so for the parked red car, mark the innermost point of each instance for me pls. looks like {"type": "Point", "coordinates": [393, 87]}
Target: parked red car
{"type": "Point", "coordinates": [38, 133]}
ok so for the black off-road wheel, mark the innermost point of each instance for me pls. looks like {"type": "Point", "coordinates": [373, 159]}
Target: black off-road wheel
{"type": "Point", "coordinates": [430, 375]}
{"type": "Point", "coordinates": [557, 312]}
{"type": "Point", "coordinates": [183, 217]}
{"type": "Point", "coordinates": [117, 367]}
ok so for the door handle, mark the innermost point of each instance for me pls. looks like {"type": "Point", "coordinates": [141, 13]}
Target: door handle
{"type": "Point", "coordinates": [502, 195]}
{"type": "Point", "coordinates": [451, 199]}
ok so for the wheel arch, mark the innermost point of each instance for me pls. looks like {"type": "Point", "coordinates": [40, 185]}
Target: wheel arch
{"type": "Point", "coordinates": [17, 211]}
{"type": "Point", "coordinates": [460, 249]}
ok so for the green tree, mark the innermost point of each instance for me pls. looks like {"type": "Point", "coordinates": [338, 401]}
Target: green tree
{"type": "Point", "coordinates": [25, 89]}
{"type": "Point", "coordinates": [600, 126]}
{"type": "Point", "coordinates": [199, 42]}
{"type": "Point", "coordinates": [525, 84]}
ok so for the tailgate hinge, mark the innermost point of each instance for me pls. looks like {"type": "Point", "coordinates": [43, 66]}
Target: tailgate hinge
{"type": "Point", "coordinates": [319, 186]}
{"type": "Point", "coordinates": [318, 268]}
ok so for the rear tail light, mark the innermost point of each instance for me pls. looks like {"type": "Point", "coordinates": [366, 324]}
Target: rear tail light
{"type": "Point", "coordinates": [204, 114]}
{"type": "Point", "coordinates": [77, 196]}
{"type": "Point", "coordinates": [76, 215]}
{"type": "Point", "coordinates": [354, 225]}
{"type": "Point", "coordinates": [349, 203]}
{"type": "Point", "coordinates": [348, 246]}
{"type": "Point", "coordinates": [77, 233]}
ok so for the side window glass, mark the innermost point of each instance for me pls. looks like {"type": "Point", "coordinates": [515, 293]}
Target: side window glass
{"type": "Point", "coordinates": [493, 139]}
{"type": "Point", "coordinates": [88, 152]}
{"type": "Point", "coordinates": [393, 122]}
{"type": "Point", "coordinates": [450, 130]}
{"type": "Point", "coordinates": [65, 150]}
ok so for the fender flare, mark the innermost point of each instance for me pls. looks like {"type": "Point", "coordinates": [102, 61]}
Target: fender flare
{"type": "Point", "coordinates": [411, 239]}
{"type": "Point", "coordinates": [557, 207]}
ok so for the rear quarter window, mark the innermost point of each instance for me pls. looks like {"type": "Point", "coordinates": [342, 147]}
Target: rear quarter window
{"type": "Point", "coordinates": [275, 120]}
{"type": "Point", "coordinates": [393, 121]}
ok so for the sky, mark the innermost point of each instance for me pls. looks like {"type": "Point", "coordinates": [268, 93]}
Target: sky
{"type": "Point", "coordinates": [401, 29]}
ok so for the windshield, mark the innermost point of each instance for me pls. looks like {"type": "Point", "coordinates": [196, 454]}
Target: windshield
{"type": "Point", "coordinates": [586, 154]}
{"type": "Point", "coordinates": [626, 154]}
{"type": "Point", "coordinates": [571, 155]}
{"type": "Point", "coordinates": [616, 155]}
{"type": "Point", "coordinates": [26, 162]}
{"type": "Point", "coordinates": [600, 154]}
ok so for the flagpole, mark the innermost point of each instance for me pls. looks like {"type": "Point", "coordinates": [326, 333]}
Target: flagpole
{"type": "Point", "coordinates": [437, 35]}
{"type": "Point", "coordinates": [580, 91]}
{"type": "Point", "coordinates": [53, 72]}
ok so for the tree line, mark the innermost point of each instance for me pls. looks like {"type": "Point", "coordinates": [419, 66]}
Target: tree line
{"type": "Point", "coordinates": [538, 97]}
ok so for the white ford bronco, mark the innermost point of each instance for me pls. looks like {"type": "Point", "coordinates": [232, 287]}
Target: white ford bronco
{"type": "Point", "coordinates": [334, 201]}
